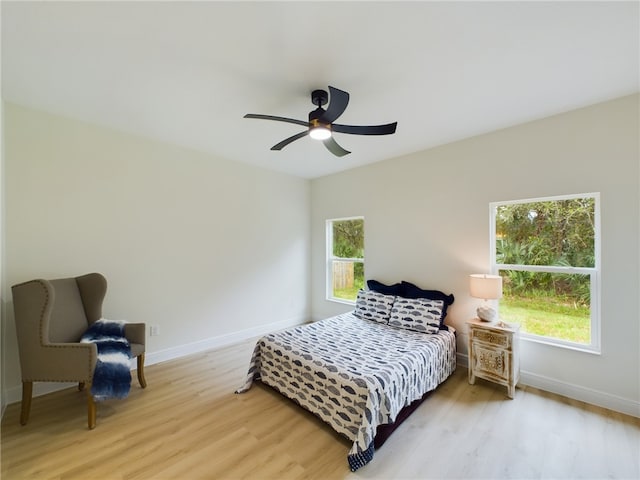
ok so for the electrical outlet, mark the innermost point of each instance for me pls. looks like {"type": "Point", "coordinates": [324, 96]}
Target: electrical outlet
{"type": "Point", "coordinates": [154, 330]}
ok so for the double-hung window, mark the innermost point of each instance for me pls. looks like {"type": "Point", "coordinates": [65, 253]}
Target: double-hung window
{"type": "Point", "coordinates": [345, 258]}
{"type": "Point", "coordinates": [547, 251]}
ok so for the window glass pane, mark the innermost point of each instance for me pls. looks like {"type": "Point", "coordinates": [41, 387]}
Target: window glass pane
{"type": "Point", "coordinates": [557, 232]}
{"type": "Point", "coordinates": [555, 305]}
{"type": "Point", "coordinates": [345, 258]}
{"type": "Point", "coordinates": [347, 279]}
{"type": "Point", "coordinates": [348, 238]}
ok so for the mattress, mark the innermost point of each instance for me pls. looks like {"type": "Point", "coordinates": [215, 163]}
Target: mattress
{"type": "Point", "coordinates": [354, 374]}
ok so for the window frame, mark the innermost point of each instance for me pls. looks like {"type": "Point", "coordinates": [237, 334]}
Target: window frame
{"type": "Point", "coordinates": [593, 272]}
{"type": "Point", "coordinates": [330, 259]}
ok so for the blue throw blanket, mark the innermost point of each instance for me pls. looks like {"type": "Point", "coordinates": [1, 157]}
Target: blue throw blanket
{"type": "Point", "coordinates": [112, 376]}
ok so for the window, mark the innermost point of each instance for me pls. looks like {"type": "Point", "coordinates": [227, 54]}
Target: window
{"type": "Point", "coordinates": [345, 258]}
{"type": "Point", "coordinates": [547, 251]}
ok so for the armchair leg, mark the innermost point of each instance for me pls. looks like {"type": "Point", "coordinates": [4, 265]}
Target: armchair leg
{"type": "Point", "coordinates": [27, 391]}
{"type": "Point", "coordinates": [141, 379]}
{"type": "Point", "coordinates": [91, 410]}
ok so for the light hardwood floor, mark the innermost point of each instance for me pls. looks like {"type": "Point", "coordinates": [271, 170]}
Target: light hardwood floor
{"type": "Point", "coordinates": [188, 424]}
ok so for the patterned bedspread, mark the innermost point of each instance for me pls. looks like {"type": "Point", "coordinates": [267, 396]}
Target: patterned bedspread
{"type": "Point", "coordinates": [354, 374]}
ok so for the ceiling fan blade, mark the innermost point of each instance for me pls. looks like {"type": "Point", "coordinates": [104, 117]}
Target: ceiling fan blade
{"type": "Point", "coordinates": [278, 119]}
{"type": "Point", "coordinates": [334, 148]}
{"type": "Point", "coordinates": [338, 101]}
{"type": "Point", "coordinates": [287, 141]}
{"type": "Point", "coordinates": [387, 129]}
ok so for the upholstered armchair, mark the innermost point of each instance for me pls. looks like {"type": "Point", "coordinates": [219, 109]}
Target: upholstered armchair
{"type": "Point", "coordinates": [51, 316]}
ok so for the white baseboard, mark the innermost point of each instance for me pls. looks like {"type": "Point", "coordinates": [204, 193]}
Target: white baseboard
{"type": "Point", "coordinates": [584, 394]}
{"type": "Point", "coordinates": [576, 392]}
{"type": "Point", "coordinates": [14, 394]}
{"type": "Point", "coordinates": [462, 360]}
{"type": "Point", "coordinates": [218, 342]}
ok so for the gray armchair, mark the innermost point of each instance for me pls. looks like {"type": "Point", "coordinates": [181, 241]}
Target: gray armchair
{"type": "Point", "coordinates": [51, 316]}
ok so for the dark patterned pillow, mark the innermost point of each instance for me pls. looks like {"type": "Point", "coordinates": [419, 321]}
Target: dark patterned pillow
{"type": "Point", "coordinates": [374, 306]}
{"type": "Point", "coordinates": [419, 314]}
{"type": "Point", "coordinates": [395, 289]}
{"type": "Point", "coordinates": [409, 290]}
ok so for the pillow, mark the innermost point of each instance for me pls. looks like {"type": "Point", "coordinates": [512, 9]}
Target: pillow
{"type": "Point", "coordinates": [395, 289]}
{"type": "Point", "coordinates": [409, 290]}
{"type": "Point", "coordinates": [373, 306]}
{"type": "Point", "coordinates": [417, 314]}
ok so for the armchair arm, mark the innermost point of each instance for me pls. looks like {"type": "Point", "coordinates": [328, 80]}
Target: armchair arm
{"type": "Point", "coordinates": [135, 333]}
{"type": "Point", "coordinates": [63, 362]}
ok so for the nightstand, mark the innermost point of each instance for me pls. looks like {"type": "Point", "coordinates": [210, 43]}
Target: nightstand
{"type": "Point", "coordinates": [494, 353]}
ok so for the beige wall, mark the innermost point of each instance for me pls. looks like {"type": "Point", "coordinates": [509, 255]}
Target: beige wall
{"type": "Point", "coordinates": [427, 221]}
{"type": "Point", "coordinates": [202, 247]}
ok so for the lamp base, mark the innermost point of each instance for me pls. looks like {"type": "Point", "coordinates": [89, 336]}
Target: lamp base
{"type": "Point", "coordinates": [487, 314]}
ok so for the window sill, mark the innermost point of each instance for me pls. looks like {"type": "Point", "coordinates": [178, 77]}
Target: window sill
{"type": "Point", "coordinates": [593, 350]}
{"type": "Point", "coordinates": [341, 300]}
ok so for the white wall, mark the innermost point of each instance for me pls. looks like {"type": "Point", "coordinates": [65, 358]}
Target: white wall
{"type": "Point", "coordinates": [185, 238]}
{"type": "Point", "coordinates": [427, 221]}
{"type": "Point", "coordinates": [207, 249]}
{"type": "Point", "coordinates": [3, 400]}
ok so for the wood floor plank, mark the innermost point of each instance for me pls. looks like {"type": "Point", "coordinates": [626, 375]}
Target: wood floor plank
{"type": "Point", "coordinates": [188, 424]}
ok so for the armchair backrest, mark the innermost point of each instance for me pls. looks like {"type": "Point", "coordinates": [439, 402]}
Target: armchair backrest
{"type": "Point", "coordinates": [54, 311]}
{"type": "Point", "coordinates": [77, 304]}
{"type": "Point", "coordinates": [68, 321]}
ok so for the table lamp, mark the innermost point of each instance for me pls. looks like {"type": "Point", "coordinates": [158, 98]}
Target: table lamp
{"type": "Point", "coordinates": [487, 287]}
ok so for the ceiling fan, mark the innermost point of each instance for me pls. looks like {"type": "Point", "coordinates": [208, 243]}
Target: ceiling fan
{"type": "Point", "coordinates": [320, 125]}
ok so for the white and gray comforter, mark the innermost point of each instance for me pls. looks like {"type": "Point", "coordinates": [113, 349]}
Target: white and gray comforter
{"type": "Point", "coordinates": [354, 374]}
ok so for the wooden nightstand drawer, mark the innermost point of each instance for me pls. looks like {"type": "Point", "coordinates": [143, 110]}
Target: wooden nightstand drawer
{"type": "Point", "coordinates": [492, 337]}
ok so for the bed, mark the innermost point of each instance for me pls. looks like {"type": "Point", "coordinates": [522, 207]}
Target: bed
{"type": "Point", "coordinates": [362, 371]}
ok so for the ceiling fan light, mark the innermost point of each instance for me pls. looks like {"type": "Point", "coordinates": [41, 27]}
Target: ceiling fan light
{"type": "Point", "coordinates": [319, 133]}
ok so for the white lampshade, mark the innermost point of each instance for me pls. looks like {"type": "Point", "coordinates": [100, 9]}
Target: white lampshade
{"type": "Point", "coordinates": [487, 287]}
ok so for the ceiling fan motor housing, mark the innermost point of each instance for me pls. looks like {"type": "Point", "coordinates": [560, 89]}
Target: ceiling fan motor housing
{"type": "Point", "coordinates": [318, 128]}
{"type": "Point", "coordinates": [315, 117]}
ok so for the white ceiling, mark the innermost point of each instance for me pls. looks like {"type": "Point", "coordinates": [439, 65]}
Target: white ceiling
{"type": "Point", "coordinates": [186, 73]}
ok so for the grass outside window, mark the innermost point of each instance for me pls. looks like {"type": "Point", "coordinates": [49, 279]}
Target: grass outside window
{"type": "Point", "coordinates": [350, 293]}
{"type": "Point", "coordinates": [555, 318]}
